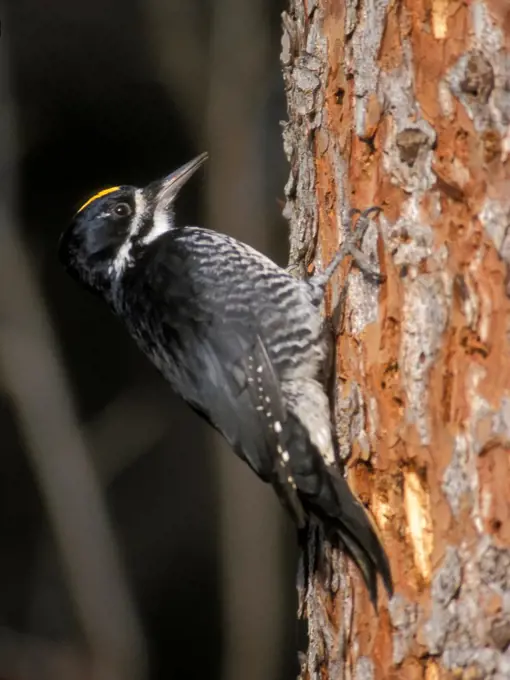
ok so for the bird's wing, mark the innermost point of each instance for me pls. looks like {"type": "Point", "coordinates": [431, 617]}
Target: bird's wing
{"type": "Point", "coordinates": [211, 322]}
{"type": "Point", "coordinates": [240, 396]}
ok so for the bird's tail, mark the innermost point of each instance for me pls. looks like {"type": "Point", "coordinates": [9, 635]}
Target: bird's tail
{"type": "Point", "coordinates": [358, 532]}
{"type": "Point", "coordinates": [342, 513]}
{"type": "Point", "coordinates": [326, 494]}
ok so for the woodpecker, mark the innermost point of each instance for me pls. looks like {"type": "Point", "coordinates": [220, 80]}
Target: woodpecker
{"type": "Point", "coordinates": [237, 337]}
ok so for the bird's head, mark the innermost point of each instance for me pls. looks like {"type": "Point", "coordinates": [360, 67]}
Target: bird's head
{"type": "Point", "coordinates": [113, 228]}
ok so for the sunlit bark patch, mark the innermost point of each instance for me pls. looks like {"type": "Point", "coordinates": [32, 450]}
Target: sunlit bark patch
{"type": "Point", "coordinates": [440, 18]}
{"type": "Point", "coordinates": [417, 507]}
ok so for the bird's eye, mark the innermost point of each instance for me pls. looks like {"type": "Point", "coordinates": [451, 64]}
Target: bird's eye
{"type": "Point", "coordinates": [122, 210]}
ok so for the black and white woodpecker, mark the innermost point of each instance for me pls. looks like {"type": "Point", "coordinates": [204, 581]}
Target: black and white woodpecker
{"type": "Point", "coordinates": [236, 336]}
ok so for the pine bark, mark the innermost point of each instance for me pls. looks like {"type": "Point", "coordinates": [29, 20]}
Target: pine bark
{"type": "Point", "coordinates": [406, 105]}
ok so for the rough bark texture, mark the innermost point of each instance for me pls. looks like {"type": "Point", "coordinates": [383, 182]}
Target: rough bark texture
{"type": "Point", "coordinates": [406, 105]}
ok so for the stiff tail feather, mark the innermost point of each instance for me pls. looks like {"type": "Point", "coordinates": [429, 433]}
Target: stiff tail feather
{"type": "Point", "coordinates": [344, 515]}
{"type": "Point", "coordinates": [357, 531]}
{"type": "Point", "coordinates": [360, 535]}
{"type": "Point", "coordinates": [326, 494]}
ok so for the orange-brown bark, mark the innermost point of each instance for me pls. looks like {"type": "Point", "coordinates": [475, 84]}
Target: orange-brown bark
{"type": "Point", "coordinates": [406, 105]}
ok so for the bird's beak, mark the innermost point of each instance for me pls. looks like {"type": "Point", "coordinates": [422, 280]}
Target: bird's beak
{"type": "Point", "coordinates": [170, 186]}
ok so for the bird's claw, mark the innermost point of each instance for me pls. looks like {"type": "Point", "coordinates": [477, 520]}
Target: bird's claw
{"type": "Point", "coordinates": [350, 247]}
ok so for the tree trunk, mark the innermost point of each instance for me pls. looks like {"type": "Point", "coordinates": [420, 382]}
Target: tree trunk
{"type": "Point", "coordinates": [406, 105]}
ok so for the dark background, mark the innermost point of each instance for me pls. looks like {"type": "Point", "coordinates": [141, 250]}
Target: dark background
{"type": "Point", "coordinates": [133, 544]}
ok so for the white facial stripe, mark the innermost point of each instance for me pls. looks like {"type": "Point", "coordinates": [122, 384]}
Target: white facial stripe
{"type": "Point", "coordinates": [123, 256]}
{"type": "Point", "coordinates": [161, 222]}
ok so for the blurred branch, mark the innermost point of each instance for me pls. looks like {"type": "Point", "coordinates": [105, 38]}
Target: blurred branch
{"type": "Point", "coordinates": [33, 378]}
{"type": "Point", "coordinates": [129, 426]}
{"type": "Point", "coordinates": [177, 39]}
{"type": "Point", "coordinates": [23, 657]}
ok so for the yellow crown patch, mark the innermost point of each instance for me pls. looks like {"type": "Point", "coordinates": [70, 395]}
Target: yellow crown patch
{"type": "Point", "coordinates": [99, 194]}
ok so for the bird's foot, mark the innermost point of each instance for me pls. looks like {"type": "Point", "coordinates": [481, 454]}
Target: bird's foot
{"type": "Point", "coordinates": [349, 247]}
